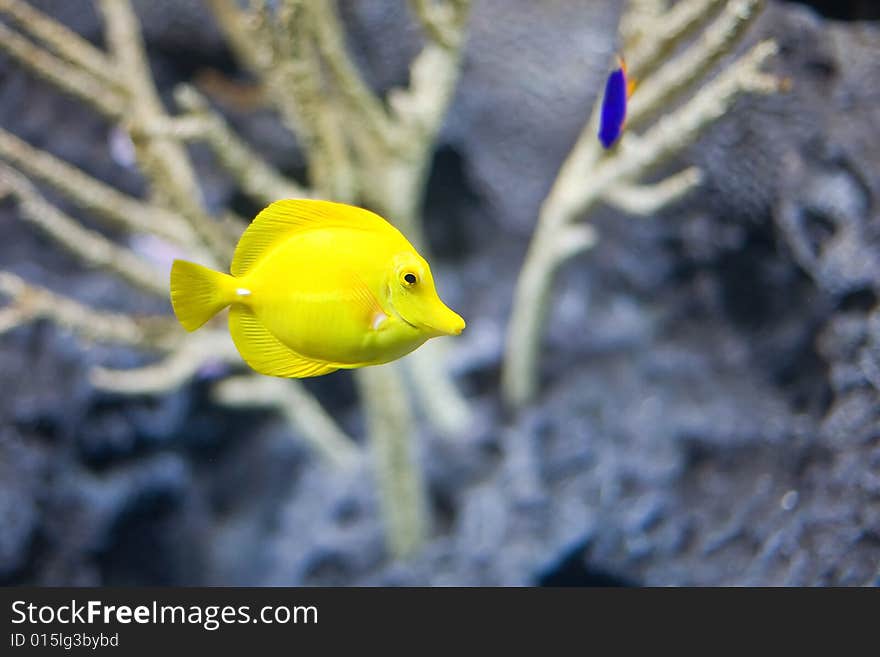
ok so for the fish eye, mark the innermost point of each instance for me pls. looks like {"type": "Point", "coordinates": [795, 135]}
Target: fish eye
{"type": "Point", "coordinates": [409, 279]}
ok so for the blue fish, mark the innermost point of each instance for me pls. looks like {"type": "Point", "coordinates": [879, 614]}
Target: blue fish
{"type": "Point", "coordinates": [617, 92]}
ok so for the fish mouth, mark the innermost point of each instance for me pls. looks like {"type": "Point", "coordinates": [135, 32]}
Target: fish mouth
{"type": "Point", "coordinates": [456, 328]}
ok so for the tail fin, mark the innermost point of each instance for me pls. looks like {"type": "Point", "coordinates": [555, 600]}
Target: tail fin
{"type": "Point", "coordinates": [198, 293]}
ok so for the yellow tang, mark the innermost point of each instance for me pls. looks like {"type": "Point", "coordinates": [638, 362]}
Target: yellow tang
{"type": "Point", "coordinates": [317, 286]}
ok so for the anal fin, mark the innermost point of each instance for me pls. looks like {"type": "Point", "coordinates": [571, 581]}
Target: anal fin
{"type": "Point", "coordinates": [267, 354]}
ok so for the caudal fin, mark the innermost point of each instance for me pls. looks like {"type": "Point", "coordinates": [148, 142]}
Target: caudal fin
{"type": "Point", "coordinates": [198, 293]}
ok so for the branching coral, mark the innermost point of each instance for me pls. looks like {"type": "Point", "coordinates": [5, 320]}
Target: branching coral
{"type": "Point", "coordinates": [359, 148]}
{"type": "Point", "coordinates": [652, 33]}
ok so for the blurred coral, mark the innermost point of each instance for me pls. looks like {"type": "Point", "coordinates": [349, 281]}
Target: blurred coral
{"type": "Point", "coordinates": [357, 150]}
{"type": "Point", "coordinates": [652, 34]}
{"type": "Point", "coordinates": [706, 410]}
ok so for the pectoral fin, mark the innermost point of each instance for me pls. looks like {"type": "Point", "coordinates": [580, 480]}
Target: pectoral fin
{"type": "Point", "coordinates": [267, 354]}
{"type": "Point", "coordinates": [358, 293]}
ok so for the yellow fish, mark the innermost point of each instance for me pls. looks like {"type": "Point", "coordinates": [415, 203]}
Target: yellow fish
{"type": "Point", "coordinates": [317, 286]}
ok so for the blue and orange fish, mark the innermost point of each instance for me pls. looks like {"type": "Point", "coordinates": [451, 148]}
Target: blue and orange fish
{"type": "Point", "coordinates": [618, 89]}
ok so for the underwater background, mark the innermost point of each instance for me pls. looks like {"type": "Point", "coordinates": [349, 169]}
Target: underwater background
{"type": "Point", "coordinates": [708, 410]}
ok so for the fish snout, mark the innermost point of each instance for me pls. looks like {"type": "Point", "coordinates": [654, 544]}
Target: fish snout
{"type": "Point", "coordinates": [431, 317]}
{"type": "Point", "coordinates": [453, 324]}
{"type": "Point", "coordinates": [459, 326]}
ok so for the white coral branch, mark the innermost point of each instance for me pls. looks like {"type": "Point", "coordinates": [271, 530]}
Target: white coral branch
{"type": "Point", "coordinates": [679, 73]}
{"type": "Point", "coordinates": [256, 178]}
{"type": "Point", "coordinates": [30, 302]}
{"type": "Point", "coordinates": [302, 411]}
{"type": "Point", "coordinates": [89, 246]}
{"type": "Point", "coordinates": [118, 210]}
{"type": "Point", "coordinates": [664, 32]}
{"type": "Point", "coordinates": [64, 41]}
{"type": "Point", "coordinates": [68, 78]}
{"type": "Point", "coordinates": [590, 175]}
{"type": "Point", "coordinates": [645, 200]}
{"type": "Point", "coordinates": [179, 366]}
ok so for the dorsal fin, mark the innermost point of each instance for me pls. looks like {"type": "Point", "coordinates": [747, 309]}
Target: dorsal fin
{"type": "Point", "coordinates": [285, 218]}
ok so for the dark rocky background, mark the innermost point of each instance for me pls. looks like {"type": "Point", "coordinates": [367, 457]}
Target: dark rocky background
{"type": "Point", "coordinates": [709, 410]}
